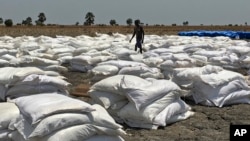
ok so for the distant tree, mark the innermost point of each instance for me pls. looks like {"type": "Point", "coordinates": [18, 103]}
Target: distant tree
{"type": "Point", "coordinates": [1, 20]}
{"type": "Point", "coordinates": [112, 22]}
{"type": "Point", "coordinates": [89, 18]}
{"type": "Point", "coordinates": [129, 21]}
{"type": "Point", "coordinates": [174, 24]}
{"type": "Point", "coordinates": [245, 23]}
{"type": "Point", "coordinates": [8, 22]}
{"type": "Point", "coordinates": [41, 19]}
{"type": "Point", "coordinates": [185, 23]}
{"type": "Point", "coordinates": [24, 22]}
{"type": "Point", "coordinates": [77, 23]}
{"type": "Point", "coordinates": [28, 21]}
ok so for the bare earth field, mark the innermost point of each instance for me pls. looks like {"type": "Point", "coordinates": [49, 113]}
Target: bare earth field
{"type": "Point", "coordinates": [208, 123]}
{"type": "Point", "coordinates": [91, 30]}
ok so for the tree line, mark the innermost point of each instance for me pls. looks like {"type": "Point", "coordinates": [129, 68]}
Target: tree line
{"type": "Point", "coordinates": [89, 20]}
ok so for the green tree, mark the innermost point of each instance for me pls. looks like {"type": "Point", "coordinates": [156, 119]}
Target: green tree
{"type": "Point", "coordinates": [24, 22]}
{"type": "Point", "coordinates": [41, 19]}
{"type": "Point", "coordinates": [112, 22]}
{"type": "Point", "coordinates": [28, 21]}
{"type": "Point", "coordinates": [129, 21]}
{"type": "Point", "coordinates": [8, 22]}
{"type": "Point", "coordinates": [185, 23]}
{"type": "Point", "coordinates": [89, 18]}
{"type": "Point", "coordinates": [1, 20]}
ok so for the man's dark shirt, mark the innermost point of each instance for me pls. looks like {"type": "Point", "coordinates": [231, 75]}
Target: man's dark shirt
{"type": "Point", "coordinates": [139, 32]}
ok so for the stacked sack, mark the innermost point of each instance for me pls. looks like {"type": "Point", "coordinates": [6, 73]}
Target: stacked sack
{"type": "Point", "coordinates": [38, 108]}
{"type": "Point", "coordinates": [16, 82]}
{"type": "Point", "coordinates": [213, 85]}
{"type": "Point", "coordinates": [88, 60]}
{"type": "Point", "coordinates": [9, 113]}
{"type": "Point", "coordinates": [114, 67]}
{"type": "Point", "coordinates": [56, 117]}
{"type": "Point", "coordinates": [138, 102]}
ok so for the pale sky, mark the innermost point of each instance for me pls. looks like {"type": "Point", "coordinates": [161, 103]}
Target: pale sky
{"type": "Point", "coordinates": [68, 12]}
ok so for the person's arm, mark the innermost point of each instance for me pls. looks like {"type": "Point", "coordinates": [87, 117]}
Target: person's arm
{"type": "Point", "coordinates": [132, 36]}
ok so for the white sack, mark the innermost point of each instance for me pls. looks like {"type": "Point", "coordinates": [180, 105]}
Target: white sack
{"type": "Point", "coordinates": [57, 68]}
{"type": "Point", "coordinates": [104, 70]}
{"type": "Point", "coordinates": [150, 111]}
{"type": "Point", "coordinates": [174, 112]}
{"type": "Point", "coordinates": [4, 63]}
{"type": "Point", "coordinates": [37, 107]}
{"type": "Point", "coordinates": [221, 95]}
{"type": "Point", "coordinates": [49, 124]}
{"type": "Point", "coordinates": [112, 84]}
{"type": "Point", "coordinates": [143, 95]}
{"type": "Point", "coordinates": [10, 75]}
{"type": "Point", "coordinates": [80, 132]}
{"type": "Point", "coordinates": [106, 99]}
{"type": "Point", "coordinates": [81, 60]}
{"type": "Point", "coordinates": [9, 112]}
{"type": "Point", "coordinates": [122, 63]}
{"type": "Point", "coordinates": [36, 61]}
{"type": "Point", "coordinates": [142, 71]}
{"type": "Point", "coordinates": [102, 118]}
{"type": "Point", "coordinates": [26, 90]}
{"type": "Point", "coordinates": [153, 61]}
{"type": "Point", "coordinates": [222, 77]}
{"type": "Point", "coordinates": [73, 133]}
{"type": "Point", "coordinates": [35, 79]}
{"type": "Point", "coordinates": [61, 121]}
{"type": "Point", "coordinates": [210, 53]}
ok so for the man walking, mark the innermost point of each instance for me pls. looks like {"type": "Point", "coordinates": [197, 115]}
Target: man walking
{"type": "Point", "coordinates": [139, 32]}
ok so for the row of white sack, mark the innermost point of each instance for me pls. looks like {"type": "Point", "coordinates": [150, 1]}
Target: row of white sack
{"type": "Point", "coordinates": [156, 41]}
{"type": "Point", "coordinates": [53, 116]}
{"type": "Point", "coordinates": [221, 54]}
{"type": "Point", "coordinates": [36, 61]}
{"type": "Point", "coordinates": [208, 85]}
{"type": "Point", "coordinates": [213, 85]}
{"type": "Point", "coordinates": [142, 103]}
{"type": "Point", "coordinates": [17, 82]}
{"type": "Point", "coordinates": [114, 67]}
{"type": "Point", "coordinates": [85, 63]}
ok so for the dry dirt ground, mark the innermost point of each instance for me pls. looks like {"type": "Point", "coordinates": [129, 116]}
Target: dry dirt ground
{"type": "Point", "coordinates": [208, 123]}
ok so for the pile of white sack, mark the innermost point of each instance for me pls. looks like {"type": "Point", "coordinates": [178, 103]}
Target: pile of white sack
{"type": "Point", "coordinates": [113, 67]}
{"type": "Point", "coordinates": [144, 103]}
{"type": "Point", "coordinates": [9, 114]}
{"type": "Point", "coordinates": [23, 81]}
{"type": "Point", "coordinates": [53, 116]}
{"type": "Point", "coordinates": [206, 67]}
{"type": "Point", "coordinates": [36, 107]}
{"type": "Point", "coordinates": [213, 85]}
{"type": "Point", "coordinates": [88, 60]}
